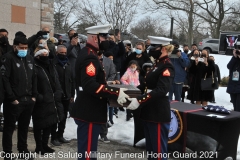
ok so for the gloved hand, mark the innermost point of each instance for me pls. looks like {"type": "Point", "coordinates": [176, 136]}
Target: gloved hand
{"type": "Point", "coordinates": [39, 33]}
{"type": "Point", "coordinates": [134, 104]}
{"type": "Point", "coordinates": [122, 96]}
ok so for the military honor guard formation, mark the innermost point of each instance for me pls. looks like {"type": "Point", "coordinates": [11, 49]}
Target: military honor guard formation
{"type": "Point", "coordinates": [91, 81]}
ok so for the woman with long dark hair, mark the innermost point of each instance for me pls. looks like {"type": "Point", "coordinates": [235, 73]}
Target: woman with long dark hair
{"type": "Point", "coordinates": [48, 109]}
{"type": "Point", "coordinates": [199, 69]}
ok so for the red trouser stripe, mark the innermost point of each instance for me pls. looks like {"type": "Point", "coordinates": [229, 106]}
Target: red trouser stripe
{"type": "Point", "coordinates": [89, 140]}
{"type": "Point", "coordinates": [159, 140]}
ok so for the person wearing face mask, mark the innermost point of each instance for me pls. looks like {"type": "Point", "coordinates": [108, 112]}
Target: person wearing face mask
{"type": "Point", "coordinates": [19, 82]}
{"type": "Point", "coordinates": [43, 34]}
{"type": "Point", "coordinates": [131, 76]}
{"type": "Point", "coordinates": [4, 44]}
{"type": "Point", "coordinates": [140, 56]}
{"type": "Point", "coordinates": [48, 110]}
{"type": "Point", "coordinates": [90, 108]}
{"type": "Point", "coordinates": [185, 49]}
{"type": "Point", "coordinates": [154, 104]}
{"type": "Point", "coordinates": [65, 74]}
{"type": "Point", "coordinates": [198, 70]}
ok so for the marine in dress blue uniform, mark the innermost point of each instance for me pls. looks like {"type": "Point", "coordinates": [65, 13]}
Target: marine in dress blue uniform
{"type": "Point", "coordinates": [90, 108]}
{"type": "Point", "coordinates": [154, 103]}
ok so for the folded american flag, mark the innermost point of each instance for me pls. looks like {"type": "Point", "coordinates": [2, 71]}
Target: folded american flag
{"type": "Point", "coordinates": [217, 109]}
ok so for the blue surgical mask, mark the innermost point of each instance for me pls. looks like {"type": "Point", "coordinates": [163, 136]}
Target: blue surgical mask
{"type": "Point", "coordinates": [138, 51]}
{"type": "Point", "coordinates": [41, 45]}
{"type": "Point", "coordinates": [45, 36]}
{"type": "Point", "coordinates": [22, 53]}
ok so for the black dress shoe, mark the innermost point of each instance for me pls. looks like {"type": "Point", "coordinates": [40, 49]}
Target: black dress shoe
{"type": "Point", "coordinates": [63, 140]}
{"type": "Point", "coordinates": [55, 143]}
{"type": "Point", "coordinates": [47, 149]}
{"type": "Point", "coordinates": [40, 151]}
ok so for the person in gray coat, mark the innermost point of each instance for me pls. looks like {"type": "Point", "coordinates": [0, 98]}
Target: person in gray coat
{"type": "Point", "coordinates": [110, 73]}
{"type": "Point", "coordinates": [73, 49]}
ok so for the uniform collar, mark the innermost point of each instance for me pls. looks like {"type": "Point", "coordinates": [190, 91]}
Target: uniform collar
{"type": "Point", "coordinates": [164, 58]}
{"type": "Point", "coordinates": [92, 48]}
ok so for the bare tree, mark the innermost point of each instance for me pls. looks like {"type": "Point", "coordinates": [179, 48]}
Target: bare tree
{"type": "Point", "coordinates": [63, 11]}
{"type": "Point", "coordinates": [148, 26]}
{"type": "Point", "coordinates": [119, 13]}
{"type": "Point", "coordinates": [214, 12]}
{"type": "Point", "coordinates": [185, 6]}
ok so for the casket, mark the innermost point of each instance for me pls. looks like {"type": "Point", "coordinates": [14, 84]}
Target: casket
{"type": "Point", "coordinates": [132, 91]}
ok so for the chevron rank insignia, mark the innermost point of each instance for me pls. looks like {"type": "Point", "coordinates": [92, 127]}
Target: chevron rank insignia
{"type": "Point", "coordinates": [91, 70]}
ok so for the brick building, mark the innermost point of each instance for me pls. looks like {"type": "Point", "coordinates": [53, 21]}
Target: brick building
{"type": "Point", "coordinates": [28, 16]}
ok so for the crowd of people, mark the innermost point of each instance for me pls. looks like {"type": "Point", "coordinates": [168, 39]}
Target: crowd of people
{"type": "Point", "coordinates": [40, 77]}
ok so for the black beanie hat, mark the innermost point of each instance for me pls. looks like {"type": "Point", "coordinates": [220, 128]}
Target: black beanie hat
{"type": "Point", "coordinates": [3, 30]}
{"type": "Point", "coordinates": [20, 37]}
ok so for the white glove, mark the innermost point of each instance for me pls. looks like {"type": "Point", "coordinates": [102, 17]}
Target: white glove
{"type": "Point", "coordinates": [122, 96]}
{"type": "Point", "coordinates": [134, 104]}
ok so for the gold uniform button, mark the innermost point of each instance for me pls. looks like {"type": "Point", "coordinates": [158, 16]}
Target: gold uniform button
{"type": "Point", "coordinates": [143, 98]}
{"type": "Point", "coordinates": [147, 95]}
{"type": "Point", "coordinates": [145, 77]}
{"type": "Point", "coordinates": [139, 101]}
{"type": "Point", "coordinates": [116, 91]}
{"type": "Point", "coordinates": [100, 97]}
{"type": "Point", "coordinates": [105, 88]}
{"type": "Point", "coordinates": [111, 89]}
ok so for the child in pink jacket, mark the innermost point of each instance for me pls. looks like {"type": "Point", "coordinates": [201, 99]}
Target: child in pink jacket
{"type": "Point", "coordinates": [131, 76]}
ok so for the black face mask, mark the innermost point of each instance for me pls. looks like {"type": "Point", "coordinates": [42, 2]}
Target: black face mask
{"type": "Point", "coordinates": [44, 59]}
{"type": "Point", "coordinates": [196, 55]}
{"type": "Point", "coordinates": [155, 54]}
{"type": "Point", "coordinates": [204, 55]}
{"type": "Point", "coordinates": [62, 57]}
{"type": "Point", "coordinates": [104, 45]}
{"type": "Point", "coordinates": [4, 40]}
{"type": "Point", "coordinates": [186, 50]}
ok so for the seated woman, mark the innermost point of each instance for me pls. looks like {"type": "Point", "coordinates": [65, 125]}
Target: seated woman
{"type": "Point", "coordinates": [48, 109]}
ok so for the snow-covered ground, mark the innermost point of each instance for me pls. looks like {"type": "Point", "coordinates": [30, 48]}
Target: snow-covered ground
{"type": "Point", "coordinates": [123, 131]}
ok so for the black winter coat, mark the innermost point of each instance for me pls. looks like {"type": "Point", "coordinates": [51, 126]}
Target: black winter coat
{"type": "Point", "coordinates": [1, 90]}
{"type": "Point", "coordinates": [119, 53]}
{"type": "Point", "coordinates": [198, 72]}
{"type": "Point", "coordinates": [48, 109]}
{"type": "Point", "coordinates": [66, 79]}
{"type": "Point", "coordinates": [233, 65]}
{"type": "Point", "coordinates": [18, 76]}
